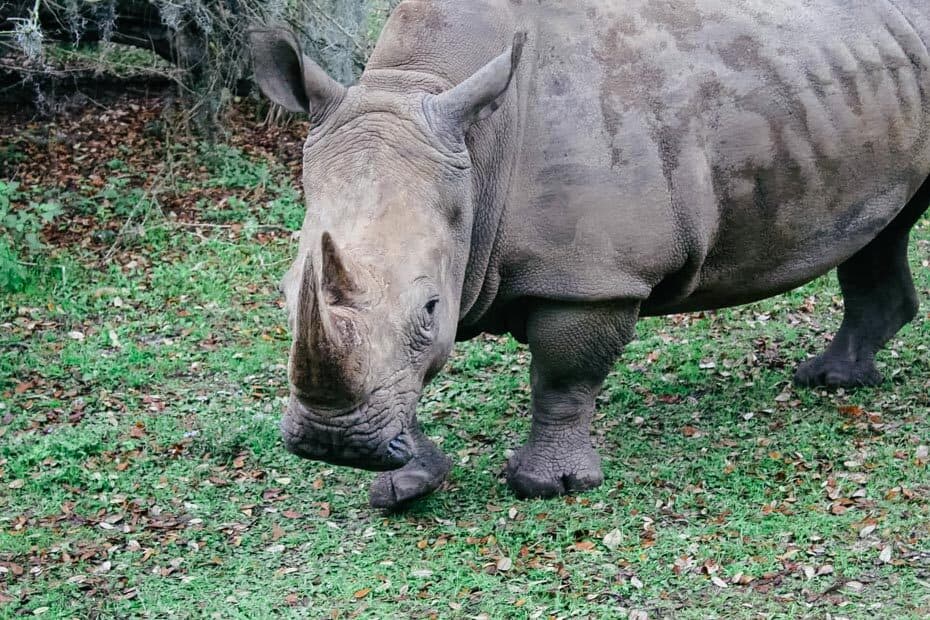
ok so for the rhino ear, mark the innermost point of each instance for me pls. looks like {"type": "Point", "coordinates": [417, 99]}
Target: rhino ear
{"type": "Point", "coordinates": [479, 95]}
{"type": "Point", "coordinates": [289, 78]}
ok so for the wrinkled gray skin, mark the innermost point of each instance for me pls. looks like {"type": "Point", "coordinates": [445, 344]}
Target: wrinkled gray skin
{"type": "Point", "coordinates": [639, 158]}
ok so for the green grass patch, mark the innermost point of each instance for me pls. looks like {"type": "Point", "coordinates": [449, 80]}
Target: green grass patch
{"type": "Point", "coordinates": [141, 473]}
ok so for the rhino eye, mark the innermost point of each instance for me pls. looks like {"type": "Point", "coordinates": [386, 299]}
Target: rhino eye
{"type": "Point", "coordinates": [422, 335]}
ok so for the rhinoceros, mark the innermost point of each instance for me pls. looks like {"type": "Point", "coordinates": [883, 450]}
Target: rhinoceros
{"type": "Point", "coordinates": [556, 170]}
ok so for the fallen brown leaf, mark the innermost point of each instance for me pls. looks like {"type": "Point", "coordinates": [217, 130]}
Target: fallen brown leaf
{"type": "Point", "coordinates": [853, 411]}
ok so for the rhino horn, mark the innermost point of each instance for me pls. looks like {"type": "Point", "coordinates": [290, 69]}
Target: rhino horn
{"type": "Point", "coordinates": [338, 282]}
{"type": "Point", "coordinates": [325, 364]}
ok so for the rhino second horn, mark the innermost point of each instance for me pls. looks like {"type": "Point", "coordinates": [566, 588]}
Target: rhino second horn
{"type": "Point", "coordinates": [338, 281]}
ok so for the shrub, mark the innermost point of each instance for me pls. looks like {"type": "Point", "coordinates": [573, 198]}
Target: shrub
{"type": "Point", "coordinates": [20, 245]}
{"type": "Point", "coordinates": [207, 39]}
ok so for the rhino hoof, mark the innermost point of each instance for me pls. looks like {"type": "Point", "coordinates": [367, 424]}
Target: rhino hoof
{"type": "Point", "coordinates": [392, 490]}
{"type": "Point", "coordinates": [830, 372]}
{"type": "Point", "coordinates": [539, 473]}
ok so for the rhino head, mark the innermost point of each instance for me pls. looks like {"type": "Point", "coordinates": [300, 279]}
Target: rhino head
{"type": "Point", "coordinates": [373, 297]}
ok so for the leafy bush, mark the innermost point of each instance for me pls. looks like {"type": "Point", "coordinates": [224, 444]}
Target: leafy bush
{"type": "Point", "coordinates": [205, 39]}
{"type": "Point", "coordinates": [20, 245]}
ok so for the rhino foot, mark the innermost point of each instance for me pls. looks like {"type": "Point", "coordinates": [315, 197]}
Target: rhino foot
{"type": "Point", "coordinates": [422, 475]}
{"type": "Point", "coordinates": [548, 470]}
{"type": "Point", "coordinates": [834, 372]}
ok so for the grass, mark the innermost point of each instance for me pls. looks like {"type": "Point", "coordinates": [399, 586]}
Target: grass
{"type": "Point", "coordinates": [142, 475]}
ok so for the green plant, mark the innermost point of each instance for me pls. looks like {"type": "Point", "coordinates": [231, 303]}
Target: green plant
{"type": "Point", "coordinates": [119, 199]}
{"type": "Point", "coordinates": [11, 154]}
{"type": "Point", "coordinates": [20, 226]}
{"type": "Point", "coordinates": [287, 209]}
{"type": "Point", "coordinates": [233, 169]}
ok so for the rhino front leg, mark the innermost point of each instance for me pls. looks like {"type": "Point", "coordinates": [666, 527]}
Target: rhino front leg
{"type": "Point", "coordinates": [573, 348]}
{"type": "Point", "coordinates": [878, 299]}
{"type": "Point", "coordinates": [420, 476]}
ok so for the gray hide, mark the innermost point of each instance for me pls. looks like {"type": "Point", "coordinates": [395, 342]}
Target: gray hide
{"type": "Point", "coordinates": [647, 157]}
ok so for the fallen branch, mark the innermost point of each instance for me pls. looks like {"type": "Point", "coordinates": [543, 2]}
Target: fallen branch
{"type": "Point", "coordinates": [229, 226]}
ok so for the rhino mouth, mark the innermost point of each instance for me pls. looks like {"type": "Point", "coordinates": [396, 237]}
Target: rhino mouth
{"type": "Point", "coordinates": [356, 438]}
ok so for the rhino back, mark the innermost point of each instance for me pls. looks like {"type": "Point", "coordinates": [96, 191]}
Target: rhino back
{"type": "Point", "coordinates": [713, 152]}
{"type": "Point", "coordinates": [689, 153]}
{"type": "Point", "coordinates": [800, 136]}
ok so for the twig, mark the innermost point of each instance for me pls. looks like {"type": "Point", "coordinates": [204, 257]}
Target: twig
{"type": "Point", "coordinates": [29, 263]}
{"type": "Point", "coordinates": [212, 225]}
{"type": "Point", "coordinates": [62, 72]}
{"type": "Point", "coordinates": [835, 586]}
{"type": "Point", "coordinates": [329, 18]}
{"type": "Point", "coordinates": [150, 192]}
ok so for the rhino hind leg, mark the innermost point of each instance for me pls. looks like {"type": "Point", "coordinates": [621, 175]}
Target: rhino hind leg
{"type": "Point", "coordinates": [573, 348]}
{"type": "Point", "coordinates": [423, 474]}
{"type": "Point", "coordinates": [878, 298]}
